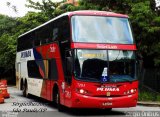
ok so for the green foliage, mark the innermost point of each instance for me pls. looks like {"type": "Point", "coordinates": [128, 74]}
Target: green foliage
{"type": "Point", "coordinates": [13, 7]}
{"type": "Point", "coordinates": [30, 21]}
{"type": "Point", "coordinates": [10, 30]}
{"type": "Point", "coordinates": [148, 96]}
{"type": "Point", "coordinates": [145, 20]}
{"type": "Point", "coordinates": [158, 97]}
{"type": "Point", "coordinates": [7, 51]}
{"type": "Point", "coordinates": [7, 42]}
{"type": "Point", "coordinates": [144, 17]}
{"type": "Point", "coordinates": [6, 24]}
{"type": "Point", "coordinates": [157, 52]}
{"type": "Point", "coordinates": [47, 7]}
{"type": "Point", "coordinates": [146, 26]}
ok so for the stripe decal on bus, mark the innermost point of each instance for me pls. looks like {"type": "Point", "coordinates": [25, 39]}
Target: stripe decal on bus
{"type": "Point", "coordinates": [104, 46]}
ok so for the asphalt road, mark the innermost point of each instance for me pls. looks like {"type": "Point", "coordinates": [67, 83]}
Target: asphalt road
{"type": "Point", "coordinates": [19, 106]}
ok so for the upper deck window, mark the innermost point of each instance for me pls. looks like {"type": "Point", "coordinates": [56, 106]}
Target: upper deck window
{"type": "Point", "coordinates": [98, 29]}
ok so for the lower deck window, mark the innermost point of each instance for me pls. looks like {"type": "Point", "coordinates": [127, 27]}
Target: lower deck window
{"type": "Point", "coordinates": [42, 69]}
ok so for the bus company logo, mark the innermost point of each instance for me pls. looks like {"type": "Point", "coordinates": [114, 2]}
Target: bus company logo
{"type": "Point", "coordinates": [52, 48]}
{"type": "Point", "coordinates": [25, 54]}
{"type": "Point", "coordinates": [107, 46]}
{"type": "Point", "coordinates": [107, 89]}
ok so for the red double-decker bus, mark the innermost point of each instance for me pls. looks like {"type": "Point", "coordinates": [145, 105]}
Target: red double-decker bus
{"type": "Point", "coordinates": [80, 59]}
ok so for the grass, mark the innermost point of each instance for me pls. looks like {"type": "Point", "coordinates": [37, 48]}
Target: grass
{"type": "Point", "coordinates": [148, 96]}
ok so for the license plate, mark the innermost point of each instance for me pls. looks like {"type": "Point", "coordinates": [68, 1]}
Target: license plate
{"type": "Point", "coordinates": [106, 103]}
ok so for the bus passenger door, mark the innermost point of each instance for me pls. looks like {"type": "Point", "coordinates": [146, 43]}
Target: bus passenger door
{"type": "Point", "coordinates": [52, 76]}
{"type": "Point", "coordinates": [68, 76]}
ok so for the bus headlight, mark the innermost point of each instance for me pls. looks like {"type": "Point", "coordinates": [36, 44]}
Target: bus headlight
{"type": "Point", "coordinates": [131, 91]}
{"type": "Point", "coordinates": [82, 91]}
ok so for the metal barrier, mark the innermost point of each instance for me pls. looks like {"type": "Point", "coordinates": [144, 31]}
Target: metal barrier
{"type": "Point", "coordinates": [149, 78]}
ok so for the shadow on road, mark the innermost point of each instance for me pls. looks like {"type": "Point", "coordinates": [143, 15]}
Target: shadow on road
{"type": "Point", "coordinates": [79, 112]}
{"type": "Point", "coordinates": [92, 112]}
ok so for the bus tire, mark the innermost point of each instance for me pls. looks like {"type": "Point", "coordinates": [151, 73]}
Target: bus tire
{"type": "Point", "coordinates": [108, 109]}
{"type": "Point", "coordinates": [21, 84]}
{"type": "Point", "coordinates": [59, 106]}
{"type": "Point", "coordinates": [25, 90]}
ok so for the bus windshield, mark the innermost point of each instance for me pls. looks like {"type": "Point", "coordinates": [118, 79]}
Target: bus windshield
{"type": "Point", "coordinates": [89, 65]}
{"type": "Point", "coordinates": [98, 29]}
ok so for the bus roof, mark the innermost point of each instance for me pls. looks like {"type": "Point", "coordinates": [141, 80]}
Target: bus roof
{"type": "Point", "coordinates": [96, 13]}
{"type": "Point", "coordinates": [81, 12]}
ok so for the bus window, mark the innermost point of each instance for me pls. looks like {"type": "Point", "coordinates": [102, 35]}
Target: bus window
{"type": "Point", "coordinates": [53, 72]}
{"type": "Point", "coordinates": [25, 42]}
{"type": "Point", "coordinates": [61, 30]}
{"type": "Point", "coordinates": [44, 34]}
{"type": "Point", "coordinates": [55, 33]}
{"type": "Point", "coordinates": [37, 42]}
{"type": "Point", "coordinates": [69, 66]}
{"type": "Point", "coordinates": [33, 70]}
{"type": "Point", "coordinates": [38, 68]}
{"type": "Point", "coordinates": [97, 29]}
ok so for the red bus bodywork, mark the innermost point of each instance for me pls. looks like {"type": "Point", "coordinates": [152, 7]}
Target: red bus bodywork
{"type": "Point", "coordinates": [96, 96]}
{"type": "Point", "coordinates": [81, 94]}
{"type": "Point", "coordinates": [99, 99]}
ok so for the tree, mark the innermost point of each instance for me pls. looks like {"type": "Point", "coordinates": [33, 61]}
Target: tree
{"type": "Point", "coordinates": [12, 6]}
{"type": "Point", "coordinates": [7, 42]}
{"type": "Point", "coordinates": [30, 21]}
{"type": "Point", "coordinates": [52, 9]}
{"type": "Point", "coordinates": [7, 51]}
{"type": "Point", "coordinates": [146, 25]}
{"type": "Point", "coordinates": [47, 7]}
{"type": "Point", "coordinates": [145, 19]}
{"type": "Point", "coordinates": [11, 28]}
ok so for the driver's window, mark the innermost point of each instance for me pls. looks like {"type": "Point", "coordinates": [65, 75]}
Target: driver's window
{"type": "Point", "coordinates": [69, 65]}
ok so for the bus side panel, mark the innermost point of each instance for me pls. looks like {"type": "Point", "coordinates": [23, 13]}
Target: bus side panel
{"type": "Point", "coordinates": [21, 66]}
{"type": "Point", "coordinates": [47, 87]}
{"type": "Point", "coordinates": [48, 52]}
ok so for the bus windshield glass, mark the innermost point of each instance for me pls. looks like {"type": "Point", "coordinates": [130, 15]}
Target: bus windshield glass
{"type": "Point", "coordinates": [98, 29]}
{"type": "Point", "coordinates": [89, 65]}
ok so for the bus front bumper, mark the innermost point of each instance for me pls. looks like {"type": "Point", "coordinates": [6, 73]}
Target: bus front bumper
{"type": "Point", "coordinates": [82, 101]}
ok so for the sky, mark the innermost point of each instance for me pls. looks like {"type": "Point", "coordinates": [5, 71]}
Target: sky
{"type": "Point", "coordinates": [20, 4]}
{"type": "Point", "coordinates": [158, 2]}
{"type": "Point", "coordinates": [22, 10]}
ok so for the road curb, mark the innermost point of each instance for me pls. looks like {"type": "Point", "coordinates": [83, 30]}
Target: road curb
{"type": "Point", "coordinates": [153, 104]}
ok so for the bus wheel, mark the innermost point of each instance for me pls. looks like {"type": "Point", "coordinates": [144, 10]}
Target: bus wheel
{"type": "Point", "coordinates": [108, 109]}
{"type": "Point", "coordinates": [59, 106]}
{"type": "Point", "coordinates": [25, 90]}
